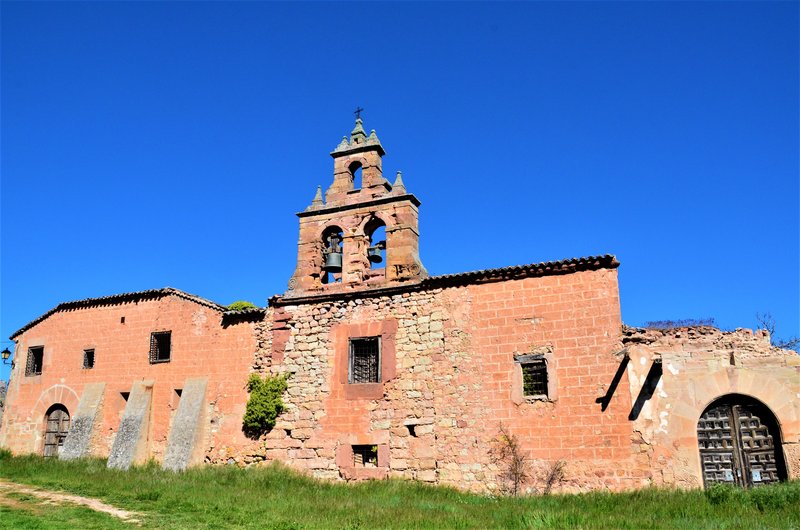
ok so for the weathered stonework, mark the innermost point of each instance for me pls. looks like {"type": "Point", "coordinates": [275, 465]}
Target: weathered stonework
{"type": "Point", "coordinates": [442, 371]}
{"type": "Point", "coordinates": [701, 364]}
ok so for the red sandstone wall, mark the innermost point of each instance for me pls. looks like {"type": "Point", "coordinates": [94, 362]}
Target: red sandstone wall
{"type": "Point", "coordinates": [449, 371]}
{"type": "Point", "coordinates": [201, 347]}
{"type": "Point", "coordinates": [577, 316]}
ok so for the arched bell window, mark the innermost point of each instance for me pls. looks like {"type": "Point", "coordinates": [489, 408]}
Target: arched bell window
{"type": "Point", "coordinates": [355, 175]}
{"type": "Point", "coordinates": [332, 247]}
{"type": "Point", "coordinates": [376, 235]}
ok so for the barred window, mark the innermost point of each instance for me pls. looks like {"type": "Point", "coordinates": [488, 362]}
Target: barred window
{"type": "Point", "coordinates": [365, 456]}
{"type": "Point", "coordinates": [160, 346]}
{"type": "Point", "coordinates": [365, 360]}
{"type": "Point", "coordinates": [534, 377]}
{"type": "Point", "coordinates": [35, 360]}
{"type": "Point", "coordinates": [88, 359]}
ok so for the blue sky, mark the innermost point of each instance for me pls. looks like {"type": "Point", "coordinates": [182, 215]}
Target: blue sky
{"type": "Point", "coordinates": [149, 144]}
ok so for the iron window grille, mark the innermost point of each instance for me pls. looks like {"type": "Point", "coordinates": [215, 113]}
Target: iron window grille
{"type": "Point", "coordinates": [365, 456]}
{"type": "Point", "coordinates": [88, 359]}
{"type": "Point", "coordinates": [33, 366]}
{"type": "Point", "coordinates": [365, 360]}
{"type": "Point", "coordinates": [160, 346]}
{"type": "Point", "coordinates": [534, 375]}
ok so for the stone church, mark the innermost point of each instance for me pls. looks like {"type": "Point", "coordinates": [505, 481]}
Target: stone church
{"type": "Point", "coordinates": [396, 373]}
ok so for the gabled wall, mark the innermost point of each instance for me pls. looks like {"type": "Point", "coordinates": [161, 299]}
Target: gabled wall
{"type": "Point", "coordinates": [201, 347]}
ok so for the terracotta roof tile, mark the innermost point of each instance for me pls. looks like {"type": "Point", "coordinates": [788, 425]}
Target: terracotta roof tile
{"type": "Point", "coordinates": [118, 299]}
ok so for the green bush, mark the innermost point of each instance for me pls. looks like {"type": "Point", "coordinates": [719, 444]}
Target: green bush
{"type": "Point", "coordinates": [719, 493]}
{"type": "Point", "coordinates": [264, 405]}
{"type": "Point", "coordinates": [776, 497]}
{"type": "Point", "coordinates": [241, 305]}
{"type": "Point", "coordinates": [4, 453]}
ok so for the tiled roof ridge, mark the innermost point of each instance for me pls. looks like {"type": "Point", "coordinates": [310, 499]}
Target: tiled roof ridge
{"type": "Point", "coordinates": [521, 271]}
{"type": "Point", "coordinates": [545, 268]}
{"type": "Point", "coordinates": [120, 298]}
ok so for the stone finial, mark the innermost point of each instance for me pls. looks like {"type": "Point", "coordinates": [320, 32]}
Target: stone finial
{"type": "Point", "coordinates": [344, 144]}
{"type": "Point", "coordinates": [373, 137]}
{"type": "Point", "coordinates": [357, 135]}
{"type": "Point", "coordinates": [398, 186]}
{"type": "Point", "coordinates": [318, 197]}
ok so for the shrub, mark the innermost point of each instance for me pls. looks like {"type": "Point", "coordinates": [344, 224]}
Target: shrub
{"type": "Point", "coordinates": [241, 305]}
{"type": "Point", "coordinates": [775, 496]}
{"type": "Point", "coordinates": [719, 493]}
{"type": "Point", "coordinates": [4, 453]}
{"type": "Point", "coordinates": [264, 405]}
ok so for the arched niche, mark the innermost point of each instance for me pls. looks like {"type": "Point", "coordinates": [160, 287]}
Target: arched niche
{"type": "Point", "coordinates": [375, 231]}
{"type": "Point", "coordinates": [332, 255]}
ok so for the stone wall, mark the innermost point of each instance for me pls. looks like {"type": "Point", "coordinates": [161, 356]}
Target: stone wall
{"type": "Point", "coordinates": [699, 365]}
{"type": "Point", "coordinates": [449, 379]}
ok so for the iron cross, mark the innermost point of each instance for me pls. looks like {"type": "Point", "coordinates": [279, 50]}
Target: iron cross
{"type": "Point", "coordinates": [358, 112]}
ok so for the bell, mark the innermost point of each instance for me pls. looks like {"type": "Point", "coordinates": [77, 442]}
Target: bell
{"type": "Point", "coordinates": [374, 254]}
{"type": "Point", "coordinates": [333, 262]}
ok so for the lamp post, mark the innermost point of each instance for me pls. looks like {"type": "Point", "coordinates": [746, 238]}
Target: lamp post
{"type": "Point", "coordinates": [5, 354]}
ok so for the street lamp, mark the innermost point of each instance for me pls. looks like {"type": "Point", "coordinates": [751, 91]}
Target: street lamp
{"type": "Point", "coordinates": [5, 354]}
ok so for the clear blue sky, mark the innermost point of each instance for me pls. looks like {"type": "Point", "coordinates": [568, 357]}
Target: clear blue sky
{"type": "Point", "coordinates": [148, 144]}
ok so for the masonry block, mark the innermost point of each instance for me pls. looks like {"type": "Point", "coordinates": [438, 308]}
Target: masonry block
{"type": "Point", "coordinates": [185, 444]}
{"type": "Point", "coordinates": [85, 423]}
{"type": "Point", "coordinates": [130, 445]}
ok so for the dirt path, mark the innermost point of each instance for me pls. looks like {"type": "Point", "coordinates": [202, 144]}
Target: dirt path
{"type": "Point", "coordinates": [52, 496]}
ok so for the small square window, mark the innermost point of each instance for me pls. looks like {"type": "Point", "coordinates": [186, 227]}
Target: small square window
{"type": "Point", "coordinates": [160, 346]}
{"type": "Point", "coordinates": [35, 360]}
{"type": "Point", "coordinates": [534, 377]}
{"type": "Point", "coordinates": [88, 359]}
{"type": "Point", "coordinates": [365, 360]}
{"type": "Point", "coordinates": [365, 456]}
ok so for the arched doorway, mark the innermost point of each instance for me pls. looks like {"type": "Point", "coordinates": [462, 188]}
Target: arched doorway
{"type": "Point", "coordinates": [55, 430]}
{"type": "Point", "coordinates": [740, 443]}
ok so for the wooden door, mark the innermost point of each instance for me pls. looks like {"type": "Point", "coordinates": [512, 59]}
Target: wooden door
{"type": "Point", "coordinates": [56, 429]}
{"type": "Point", "coordinates": [739, 444]}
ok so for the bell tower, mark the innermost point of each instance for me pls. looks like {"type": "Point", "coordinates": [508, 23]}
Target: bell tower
{"type": "Point", "coordinates": [365, 233]}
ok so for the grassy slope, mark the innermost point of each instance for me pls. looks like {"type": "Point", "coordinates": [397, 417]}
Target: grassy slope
{"type": "Point", "coordinates": [274, 497]}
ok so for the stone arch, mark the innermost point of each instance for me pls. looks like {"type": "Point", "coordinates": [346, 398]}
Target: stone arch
{"type": "Point", "coordinates": [333, 252]}
{"type": "Point", "coordinates": [702, 391]}
{"type": "Point", "coordinates": [740, 442]}
{"type": "Point", "coordinates": [356, 168]}
{"type": "Point", "coordinates": [384, 217]}
{"type": "Point", "coordinates": [57, 424]}
{"type": "Point", "coordinates": [56, 394]}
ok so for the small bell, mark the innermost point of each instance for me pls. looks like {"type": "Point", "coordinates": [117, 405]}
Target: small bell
{"type": "Point", "coordinates": [374, 255]}
{"type": "Point", "coordinates": [374, 252]}
{"type": "Point", "coordinates": [333, 262]}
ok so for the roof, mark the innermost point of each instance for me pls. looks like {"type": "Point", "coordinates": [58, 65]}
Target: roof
{"type": "Point", "coordinates": [545, 268]}
{"type": "Point", "coordinates": [516, 272]}
{"type": "Point", "coordinates": [121, 298]}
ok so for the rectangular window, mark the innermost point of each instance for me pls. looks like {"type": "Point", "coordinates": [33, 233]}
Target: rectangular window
{"type": "Point", "coordinates": [365, 456]}
{"type": "Point", "coordinates": [365, 360]}
{"type": "Point", "coordinates": [35, 360]}
{"type": "Point", "coordinates": [160, 346]}
{"type": "Point", "coordinates": [534, 377]}
{"type": "Point", "coordinates": [88, 359]}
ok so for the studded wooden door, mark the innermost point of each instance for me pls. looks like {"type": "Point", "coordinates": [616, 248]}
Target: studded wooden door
{"type": "Point", "coordinates": [738, 445]}
{"type": "Point", "coordinates": [56, 429]}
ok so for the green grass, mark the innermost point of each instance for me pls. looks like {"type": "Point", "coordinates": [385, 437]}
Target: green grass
{"type": "Point", "coordinates": [275, 497]}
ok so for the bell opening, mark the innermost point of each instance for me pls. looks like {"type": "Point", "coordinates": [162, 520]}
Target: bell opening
{"type": "Point", "coordinates": [332, 249]}
{"type": "Point", "coordinates": [376, 252]}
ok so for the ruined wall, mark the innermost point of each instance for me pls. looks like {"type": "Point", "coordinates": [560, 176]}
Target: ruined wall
{"type": "Point", "coordinates": [201, 347]}
{"type": "Point", "coordinates": [700, 365]}
{"type": "Point", "coordinates": [448, 380]}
